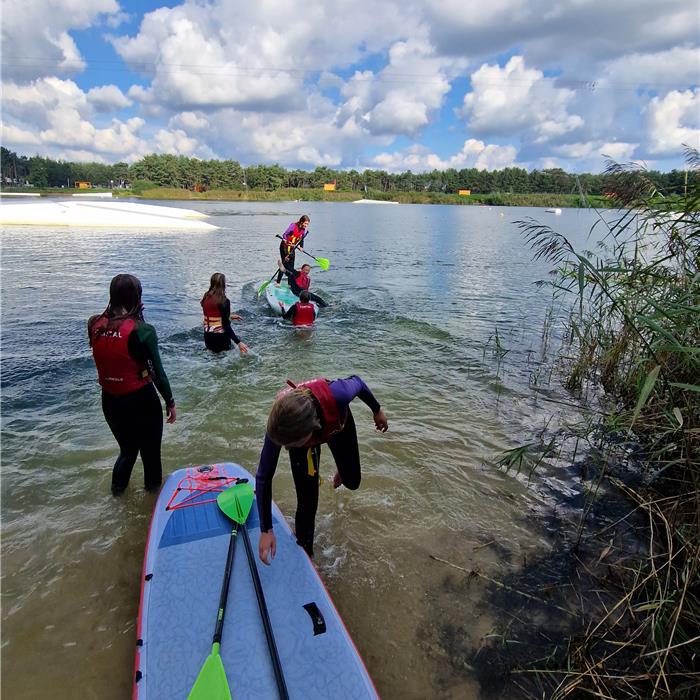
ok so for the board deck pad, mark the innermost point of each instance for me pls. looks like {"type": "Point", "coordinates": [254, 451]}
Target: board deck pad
{"type": "Point", "coordinates": [182, 576]}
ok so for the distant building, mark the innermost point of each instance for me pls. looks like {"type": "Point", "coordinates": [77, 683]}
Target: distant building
{"type": "Point", "coordinates": [329, 186]}
{"type": "Point", "coordinates": [83, 184]}
{"type": "Point", "coordinates": [464, 193]}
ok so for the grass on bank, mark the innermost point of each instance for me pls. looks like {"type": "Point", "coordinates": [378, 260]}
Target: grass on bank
{"type": "Point", "coordinates": [634, 344]}
{"type": "Point", "coordinates": [146, 190]}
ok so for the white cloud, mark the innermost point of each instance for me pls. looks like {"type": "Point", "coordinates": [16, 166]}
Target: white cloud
{"type": "Point", "coordinates": [662, 69]}
{"type": "Point", "coordinates": [35, 35]}
{"type": "Point", "coordinates": [108, 98]}
{"type": "Point", "coordinates": [673, 120]}
{"type": "Point", "coordinates": [474, 154]}
{"type": "Point", "coordinates": [515, 99]}
{"type": "Point", "coordinates": [189, 121]}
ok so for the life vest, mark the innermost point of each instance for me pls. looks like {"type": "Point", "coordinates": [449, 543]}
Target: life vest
{"type": "Point", "coordinates": [332, 418]}
{"type": "Point", "coordinates": [293, 237]}
{"type": "Point", "coordinates": [212, 316]}
{"type": "Point", "coordinates": [117, 371]}
{"type": "Point", "coordinates": [303, 281]}
{"type": "Point", "coordinates": [305, 314]}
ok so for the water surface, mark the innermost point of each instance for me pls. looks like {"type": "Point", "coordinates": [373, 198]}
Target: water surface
{"type": "Point", "coordinates": [434, 306]}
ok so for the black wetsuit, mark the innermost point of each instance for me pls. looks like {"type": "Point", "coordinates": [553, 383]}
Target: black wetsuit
{"type": "Point", "coordinates": [136, 418]}
{"type": "Point", "coordinates": [220, 342]}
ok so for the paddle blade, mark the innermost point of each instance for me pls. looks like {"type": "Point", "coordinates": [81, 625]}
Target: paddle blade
{"type": "Point", "coordinates": [236, 502]}
{"type": "Point", "coordinates": [264, 286]}
{"type": "Point", "coordinates": [323, 263]}
{"type": "Point", "coordinates": [211, 683]}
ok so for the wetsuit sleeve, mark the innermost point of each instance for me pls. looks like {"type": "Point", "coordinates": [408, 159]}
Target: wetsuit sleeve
{"type": "Point", "coordinates": [290, 228]}
{"type": "Point", "coordinates": [291, 312]}
{"type": "Point", "coordinates": [143, 345]}
{"type": "Point", "coordinates": [345, 390]}
{"type": "Point", "coordinates": [225, 310]}
{"type": "Point", "coordinates": [263, 482]}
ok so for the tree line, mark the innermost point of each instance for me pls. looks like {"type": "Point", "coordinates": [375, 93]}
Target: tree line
{"type": "Point", "coordinates": [190, 173]}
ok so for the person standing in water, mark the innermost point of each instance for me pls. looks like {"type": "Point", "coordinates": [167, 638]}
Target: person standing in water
{"type": "Point", "coordinates": [292, 239]}
{"type": "Point", "coordinates": [301, 420]}
{"type": "Point", "coordinates": [303, 313]}
{"type": "Point", "coordinates": [125, 350]}
{"type": "Point", "coordinates": [218, 332]}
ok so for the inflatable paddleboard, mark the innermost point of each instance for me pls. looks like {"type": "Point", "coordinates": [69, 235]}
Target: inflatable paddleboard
{"type": "Point", "coordinates": [181, 583]}
{"type": "Point", "coordinates": [283, 296]}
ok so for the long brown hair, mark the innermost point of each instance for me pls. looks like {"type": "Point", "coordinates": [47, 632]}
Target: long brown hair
{"type": "Point", "coordinates": [124, 301]}
{"type": "Point", "coordinates": [217, 289]}
{"type": "Point", "coordinates": [293, 416]}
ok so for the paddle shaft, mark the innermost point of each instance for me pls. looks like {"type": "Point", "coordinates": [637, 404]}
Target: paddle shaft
{"type": "Point", "coordinates": [274, 274]}
{"type": "Point", "coordinates": [225, 586]}
{"type": "Point", "coordinates": [277, 666]}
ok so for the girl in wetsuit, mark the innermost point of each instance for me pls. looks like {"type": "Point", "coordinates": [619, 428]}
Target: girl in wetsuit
{"type": "Point", "coordinates": [218, 332]}
{"type": "Point", "coordinates": [129, 370]}
{"type": "Point", "coordinates": [292, 239]}
{"type": "Point", "coordinates": [301, 420]}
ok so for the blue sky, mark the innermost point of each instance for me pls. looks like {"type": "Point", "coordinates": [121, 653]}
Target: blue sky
{"type": "Point", "coordinates": [396, 85]}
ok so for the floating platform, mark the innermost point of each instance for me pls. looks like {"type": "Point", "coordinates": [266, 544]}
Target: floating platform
{"type": "Point", "coordinates": [373, 201]}
{"type": "Point", "coordinates": [102, 214]}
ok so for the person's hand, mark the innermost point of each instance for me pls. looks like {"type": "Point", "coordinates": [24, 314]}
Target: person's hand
{"type": "Point", "coordinates": [236, 317]}
{"type": "Point", "coordinates": [267, 545]}
{"type": "Point", "coordinates": [171, 413]}
{"type": "Point", "coordinates": [243, 348]}
{"type": "Point", "coordinates": [380, 421]}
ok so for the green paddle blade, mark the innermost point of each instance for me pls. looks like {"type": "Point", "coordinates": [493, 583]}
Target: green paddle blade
{"type": "Point", "coordinates": [264, 286]}
{"type": "Point", "coordinates": [237, 501]}
{"type": "Point", "coordinates": [211, 683]}
{"type": "Point", "coordinates": [323, 263]}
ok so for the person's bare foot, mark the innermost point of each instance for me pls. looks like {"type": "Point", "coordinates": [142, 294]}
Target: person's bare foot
{"type": "Point", "coordinates": [337, 481]}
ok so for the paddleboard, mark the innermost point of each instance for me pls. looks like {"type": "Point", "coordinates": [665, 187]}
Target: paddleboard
{"type": "Point", "coordinates": [281, 295]}
{"type": "Point", "coordinates": [181, 582]}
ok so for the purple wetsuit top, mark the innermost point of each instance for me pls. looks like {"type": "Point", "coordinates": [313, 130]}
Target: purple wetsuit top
{"type": "Point", "coordinates": [344, 391]}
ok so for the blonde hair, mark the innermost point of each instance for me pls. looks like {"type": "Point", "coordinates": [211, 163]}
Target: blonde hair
{"type": "Point", "coordinates": [292, 417]}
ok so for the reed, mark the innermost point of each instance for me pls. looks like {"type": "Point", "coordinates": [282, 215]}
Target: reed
{"type": "Point", "coordinates": [633, 343]}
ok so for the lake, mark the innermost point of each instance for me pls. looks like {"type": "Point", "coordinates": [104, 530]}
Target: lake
{"type": "Point", "coordinates": [436, 307]}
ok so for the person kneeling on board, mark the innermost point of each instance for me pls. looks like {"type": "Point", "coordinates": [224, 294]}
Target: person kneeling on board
{"type": "Point", "coordinates": [125, 349]}
{"type": "Point", "coordinates": [303, 313]}
{"type": "Point", "coordinates": [216, 306]}
{"type": "Point", "coordinates": [301, 420]}
{"type": "Point", "coordinates": [300, 280]}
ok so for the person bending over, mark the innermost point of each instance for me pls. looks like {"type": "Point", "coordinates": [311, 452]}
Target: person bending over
{"type": "Point", "coordinates": [218, 332]}
{"type": "Point", "coordinates": [300, 280]}
{"type": "Point", "coordinates": [302, 419]}
{"type": "Point", "coordinates": [125, 350]}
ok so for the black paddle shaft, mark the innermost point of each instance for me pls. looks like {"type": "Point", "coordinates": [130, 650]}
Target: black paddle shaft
{"type": "Point", "coordinates": [276, 665]}
{"type": "Point", "coordinates": [224, 587]}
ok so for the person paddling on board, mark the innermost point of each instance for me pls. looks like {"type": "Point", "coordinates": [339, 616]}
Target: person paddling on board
{"type": "Point", "coordinates": [302, 419]}
{"type": "Point", "coordinates": [218, 332]}
{"type": "Point", "coordinates": [303, 313]}
{"type": "Point", "coordinates": [300, 281]}
{"type": "Point", "coordinates": [125, 349]}
{"type": "Point", "coordinates": [292, 239]}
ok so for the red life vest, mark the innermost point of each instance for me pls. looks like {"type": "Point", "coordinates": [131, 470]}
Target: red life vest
{"type": "Point", "coordinates": [212, 316]}
{"type": "Point", "coordinates": [332, 418]}
{"type": "Point", "coordinates": [117, 371]}
{"type": "Point", "coordinates": [293, 237]}
{"type": "Point", "coordinates": [302, 280]}
{"type": "Point", "coordinates": [305, 314]}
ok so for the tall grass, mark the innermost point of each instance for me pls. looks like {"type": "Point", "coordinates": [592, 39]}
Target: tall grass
{"type": "Point", "coordinates": [633, 343]}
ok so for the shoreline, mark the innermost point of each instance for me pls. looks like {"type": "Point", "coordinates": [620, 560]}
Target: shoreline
{"type": "Point", "coordinates": [493, 199]}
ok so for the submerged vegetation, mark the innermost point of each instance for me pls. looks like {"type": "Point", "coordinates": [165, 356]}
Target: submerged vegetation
{"type": "Point", "coordinates": [632, 353]}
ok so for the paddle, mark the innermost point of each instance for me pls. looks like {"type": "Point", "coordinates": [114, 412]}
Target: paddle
{"type": "Point", "coordinates": [323, 263]}
{"type": "Point", "coordinates": [265, 285]}
{"type": "Point", "coordinates": [228, 505]}
{"type": "Point", "coordinates": [211, 683]}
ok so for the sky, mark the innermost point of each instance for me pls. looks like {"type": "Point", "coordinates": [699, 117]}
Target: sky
{"type": "Point", "coordinates": [394, 85]}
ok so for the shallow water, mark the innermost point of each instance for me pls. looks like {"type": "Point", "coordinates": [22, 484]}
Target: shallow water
{"type": "Point", "coordinates": [417, 295]}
